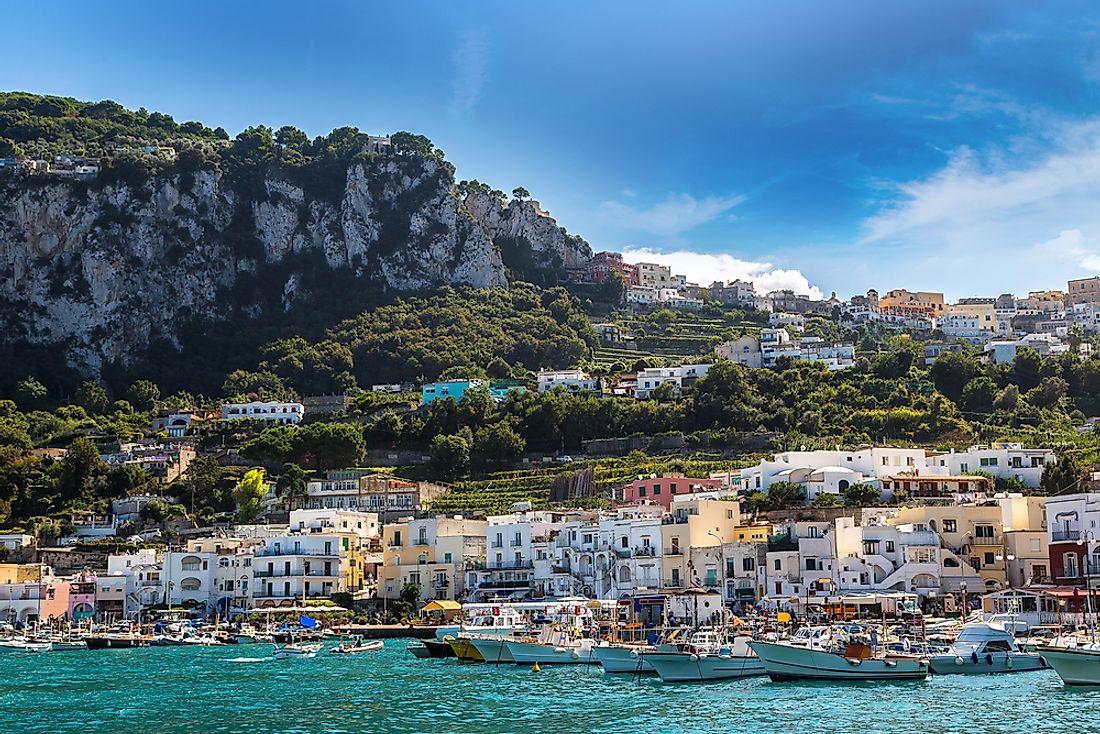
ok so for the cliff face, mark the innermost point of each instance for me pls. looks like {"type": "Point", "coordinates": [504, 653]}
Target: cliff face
{"type": "Point", "coordinates": [524, 223]}
{"type": "Point", "coordinates": [105, 268]}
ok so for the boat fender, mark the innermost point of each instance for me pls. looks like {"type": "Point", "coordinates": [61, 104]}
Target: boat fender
{"type": "Point", "coordinates": [958, 660]}
{"type": "Point", "coordinates": [974, 656]}
{"type": "Point", "coordinates": [853, 661]}
{"type": "Point", "coordinates": [695, 658]}
{"type": "Point", "coordinates": [1008, 661]}
{"type": "Point", "coordinates": [1043, 662]}
{"type": "Point", "coordinates": [988, 659]}
{"type": "Point", "coordinates": [891, 663]}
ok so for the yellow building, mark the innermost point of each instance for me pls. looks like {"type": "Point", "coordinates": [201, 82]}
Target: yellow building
{"type": "Point", "coordinates": [21, 573]}
{"type": "Point", "coordinates": [994, 538]}
{"type": "Point", "coordinates": [755, 533]}
{"type": "Point", "coordinates": [910, 303]}
{"type": "Point", "coordinates": [692, 526]}
{"type": "Point", "coordinates": [440, 554]}
{"type": "Point", "coordinates": [1083, 290]}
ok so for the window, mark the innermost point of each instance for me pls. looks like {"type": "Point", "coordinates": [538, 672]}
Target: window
{"type": "Point", "coordinates": [811, 564]}
{"type": "Point", "coordinates": [950, 526]}
{"type": "Point", "coordinates": [1069, 565]}
{"type": "Point", "coordinates": [624, 542]}
{"type": "Point", "coordinates": [641, 490]}
{"type": "Point", "coordinates": [748, 564]}
{"type": "Point", "coordinates": [983, 531]}
{"type": "Point", "coordinates": [447, 558]}
{"type": "Point", "coordinates": [889, 546]}
{"type": "Point", "coordinates": [989, 461]}
{"type": "Point", "coordinates": [990, 559]}
{"type": "Point", "coordinates": [672, 488]}
{"type": "Point", "coordinates": [778, 565]}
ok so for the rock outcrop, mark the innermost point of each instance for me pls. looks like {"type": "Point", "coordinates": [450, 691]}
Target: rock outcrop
{"type": "Point", "coordinates": [105, 268]}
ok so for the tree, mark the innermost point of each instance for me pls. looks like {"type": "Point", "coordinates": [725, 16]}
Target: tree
{"type": "Point", "coordinates": [155, 511]}
{"type": "Point", "coordinates": [291, 485]}
{"type": "Point", "coordinates": [861, 495]}
{"type": "Point", "coordinates": [1007, 399]}
{"type": "Point", "coordinates": [951, 372]}
{"type": "Point", "coordinates": [451, 454]}
{"type": "Point", "coordinates": [144, 395]}
{"type": "Point", "coordinates": [782, 495]}
{"type": "Point", "coordinates": [31, 392]}
{"type": "Point", "coordinates": [273, 445]}
{"type": "Point", "coordinates": [329, 445]}
{"type": "Point", "coordinates": [1026, 366]}
{"type": "Point", "coordinates": [499, 442]}
{"type": "Point", "coordinates": [79, 470]}
{"type": "Point", "coordinates": [92, 397]}
{"type": "Point", "coordinates": [1064, 476]}
{"type": "Point", "coordinates": [248, 494]}
{"type": "Point", "coordinates": [1048, 393]}
{"type": "Point", "coordinates": [825, 499]}
{"type": "Point", "coordinates": [519, 193]}
{"type": "Point", "coordinates": [979, 394]}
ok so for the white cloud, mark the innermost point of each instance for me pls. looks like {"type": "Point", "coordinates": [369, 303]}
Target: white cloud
{"type": "Point", "coordinates": [999, 219]}
{"type": "Point", "coordinates": [470, 61]}
{"type": "Point", "coordinates": [677, 214]}
{"type": "Point", "coordinates": [705, 268]}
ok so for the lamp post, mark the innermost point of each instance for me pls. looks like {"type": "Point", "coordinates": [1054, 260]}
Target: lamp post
{"type": "Point", "coordinates": [1088, 537]}
{"type": "Point", "coordinates": [721, 566]}
{"type": "Point", "coordinates": [1006, 557]}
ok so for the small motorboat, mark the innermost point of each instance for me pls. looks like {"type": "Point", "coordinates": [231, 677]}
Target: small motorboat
{"type": "Point", "coordinates": [357, 646]}
{"type": "Point", "coordinates": [985, 647]}
{"type": "Point", "coordinates": [296, 651]}
{"type": "Point", "coordinates": [24, 645]}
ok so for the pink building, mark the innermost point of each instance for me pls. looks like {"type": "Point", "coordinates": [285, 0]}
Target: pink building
{"type": "Point", "coordinates": [661, 490]}
{"type": "Point", "coordinates": [81, 600]}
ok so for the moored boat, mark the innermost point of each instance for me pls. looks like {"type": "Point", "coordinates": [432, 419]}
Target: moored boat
{"type": "Point", "coordinates": [464, 649]}
{"type": "Point", "coordinates": [825, 653]}
{"type": "Point", "coordinates": [553, 647]}
{"type": "Point", "coordinates": [707, 656]}
{"type": "Point", "coordinates": [438, 649]}
{"type": "Point", "coordinates": [985, 647]}
{"type": "Point", "coordinates": [417, 649]}
{"type": "Point", "coordinates": [296, 651]}
{"type": "Point", "coordinates": [1076, 666]}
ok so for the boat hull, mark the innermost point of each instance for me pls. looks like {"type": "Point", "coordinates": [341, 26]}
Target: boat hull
{"type": "Point", "coordinates": [493, 650]}
{"type": "Point", "coordinates": [437, 649]}
{"type": "Point", "coordinates": [787, 662]}
{"type": "Point", "coordinates": [418, 651]}
{"type": "Point", "coordinates": [1017, 662]}
{"type": "Point", "coordinates": [119, 643]}
{"type": "Point", "coordinates": [683, 667]}
{"type": "Point", "coordinates": [622, 659]}
{"type": "Point", "coordinates": [1074, 667]}
{"type": "Point", "coordinates": [529, 653]}
{"type": "Point", "coordinates": [465, 650]}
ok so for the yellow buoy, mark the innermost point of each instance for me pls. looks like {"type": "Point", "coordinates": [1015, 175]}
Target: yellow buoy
{"type": "Point", "coordinates": [535, 668]}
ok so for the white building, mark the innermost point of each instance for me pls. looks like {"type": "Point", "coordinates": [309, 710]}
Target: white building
{"type": "Point", "coordinates": [366, 525]}
{"type": "Point", "coordinates": [963, 326]}
{"type": "Point", "coordinates": [572, 380]}
{"type": "Point", "coordinates": [513, 545]}
{"type": "Point", "coordinates": [293, 568]}
{"type": "Point", "coordinates": [679, 377]}
{"type": "Point", "coordinates": [1004, 460]}
{"type": "Point", "coordinates": [745, 351]}
{"type": "Point", "coordinates": [270, 412]}
{"type": "Point", "coordinates": [793, 320]}
{"type": "Point", "coordinates": [213, 574]}
{"type": "Point", "coordinates": [645, 295]}
{"type": "Point", "coordinates": [1001, 351]}
{"type": "Point", "coordinates": [831, 471]}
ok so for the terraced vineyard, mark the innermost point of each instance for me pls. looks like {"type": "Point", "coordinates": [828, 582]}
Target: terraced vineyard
{"type": "Point", "coordinates": [495, 493]}
{"type": "Point", "coordinates": [686, 335]}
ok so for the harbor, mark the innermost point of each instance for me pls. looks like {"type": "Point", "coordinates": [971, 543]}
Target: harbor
{"type": "Point", "coordinates": [237, 688]}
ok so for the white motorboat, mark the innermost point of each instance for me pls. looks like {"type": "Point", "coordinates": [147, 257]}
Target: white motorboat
{"type": "Point", "coordinates": [492, 649]}
{"type": "Point", "coordinates": [708, 655]}
{"type": "Point", "coordinates": [985, 647]}
{"type": "Point", "coordinates": [617, 657]}
{"type": "Point", "coordinates": [20, 644]}
{"type": "Point", "coordinates": [1076, 666]}
{"type": "Point", "coordinates": [296, 651]}
{"type": "Point", "coordinates": [356, 646]}
{"type": "Point", "coordinates": [820, 660]}
{"type": "Point", "coordinates": [555, 647]}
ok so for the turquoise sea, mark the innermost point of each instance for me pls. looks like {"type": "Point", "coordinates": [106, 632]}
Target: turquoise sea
{"type": "Point", "coordinates": [234, 690]}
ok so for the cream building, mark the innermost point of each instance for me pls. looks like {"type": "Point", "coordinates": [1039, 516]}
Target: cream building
{"type": "Point", "coordinates": [441, 554]}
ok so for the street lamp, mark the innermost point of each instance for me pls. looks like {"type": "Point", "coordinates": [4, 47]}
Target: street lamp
{"type": "Point", "coordinates": [1085, 541]}
{"type": "Point", "coordinates": [1006, 557]}
{"type": "Point", "coordinates": [721, 565]}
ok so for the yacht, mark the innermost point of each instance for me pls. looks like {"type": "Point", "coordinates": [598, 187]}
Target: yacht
{"type": "Point", "coordinates": [985, 647]}
{"type": "Point", "coordinates": [491, 625]}
{"type": "Point", "coordinates": [825, 655]}
{"type": "Point", "coordinates": [708, 655]}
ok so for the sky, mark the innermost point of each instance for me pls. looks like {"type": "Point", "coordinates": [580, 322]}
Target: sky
{"type": "Point", "coordinates": [821, 146]}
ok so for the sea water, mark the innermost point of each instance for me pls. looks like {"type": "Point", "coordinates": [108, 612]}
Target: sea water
{"type": "Point", "coordinates": [238, 689]}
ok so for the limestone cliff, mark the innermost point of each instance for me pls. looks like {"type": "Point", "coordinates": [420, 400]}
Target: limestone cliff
{"type": "Point", "coordinates": [105, 267]}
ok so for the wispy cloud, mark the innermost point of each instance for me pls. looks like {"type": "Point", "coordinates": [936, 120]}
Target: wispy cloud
{"type": "Point", "coordinates": [705, 268]}
{"type": "Point", "coordinates": [1036, 214]}
{"type": "Point", "coordinates": [677, 214]}
{"type": "Point", "coordinates": [470, 60]}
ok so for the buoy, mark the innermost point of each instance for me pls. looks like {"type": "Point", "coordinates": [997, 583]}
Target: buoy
{"type": "Point", "coordinates": [535, 668]}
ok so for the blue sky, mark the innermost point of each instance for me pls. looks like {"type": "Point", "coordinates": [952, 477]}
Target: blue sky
{"type": "Point", "coordinates": [834, 145]}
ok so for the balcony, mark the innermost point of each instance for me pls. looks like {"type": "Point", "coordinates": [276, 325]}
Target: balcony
{"type": "Point", "coordinates": [295, 575]}
{"type": "Point", "coordinates": [624, 552]}
{"type": "Point", "coordinates": [496, 565]}
{"type": "Point", "coordinates": [646, 552]}
{"type": "Point", "coordinates": [674, 551]}
{"type": "Point", "coordinates": [441, 583]}
{"type": "Point", "coordinates": [672, 584]}
{"type": "Point", "coordinates": [274, 553]}
{"type": "Point", "coordinates": [987, 541]}
{"type": "Point", "coordinates": [512, 584]}
{"type": "Point", "coordinates": [1063, 536]}
{"type": "Point", "coordinates": [497, 544]}
{"type": "Point", "coordinates": [422, 542]}
{"type": "Point", "coordinates": [515, 543]}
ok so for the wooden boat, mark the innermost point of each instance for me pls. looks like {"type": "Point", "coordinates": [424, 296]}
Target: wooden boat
{"type": "Point", "coordinates": [783, 661]}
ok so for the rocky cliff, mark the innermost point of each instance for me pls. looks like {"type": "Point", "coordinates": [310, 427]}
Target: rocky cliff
{"type": "Point", "coordinates": [105, 267]}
